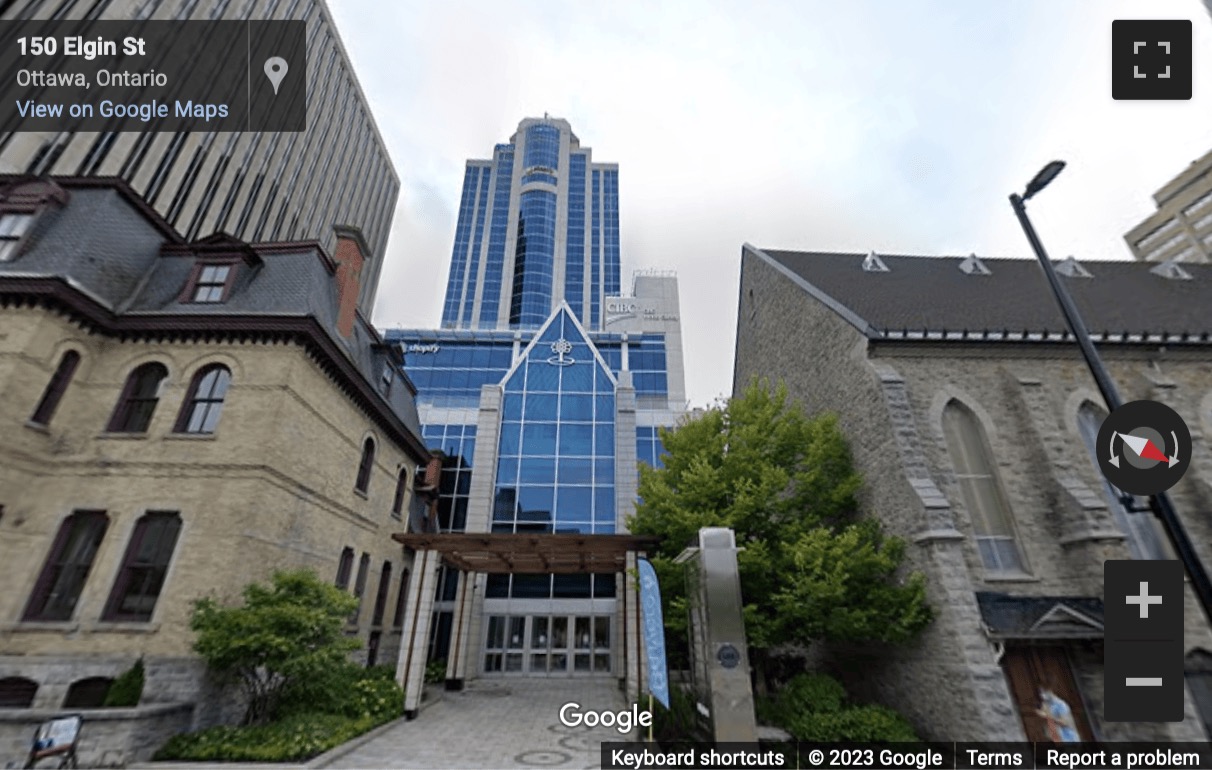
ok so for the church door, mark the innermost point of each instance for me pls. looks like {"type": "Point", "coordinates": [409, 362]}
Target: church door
{"type": "Point", "coordinates": [1030, 668]}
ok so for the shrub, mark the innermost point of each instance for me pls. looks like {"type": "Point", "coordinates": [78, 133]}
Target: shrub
{"type": "Point", "coordinates": [812, 694]}
{"type": "Point", "coordinates": [876, 724]}
{"type": "Point", "coordinates": [346, 690]}
{"type": "Point", "coordinates": [814, 707]}
{"type": "Point", "coordinates": [377, 699]}
{"type": "Point", "coordinates": [435, 671]}
{"type": "Point", "coordinates": [381, 671]}
{"type": "Point", "coordinates": [127, 689]}
{"type": "Point", "coordinates": [680, 722]}
{"type": "Point", "coordinates": [339, 704]}
{"type": "Point", "coordinates": [292, 739]}
{"type": "Point", "coordinates": [286, 633]}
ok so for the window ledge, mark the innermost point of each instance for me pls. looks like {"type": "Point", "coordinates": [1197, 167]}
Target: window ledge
{"type": "Point", "coordinates": [191, 436]}
{"type": "Point", "coordinates": [40, 427]}
{"type": "Point", "coordinates": [122, 627]}
{"type": "Point", "coordinates": [1010, 577]}
{"type": "Point", "coordinates": [75, 626]}
{"type": "Point", "coordinates": [52, 626]}
{"type": "Point", "coordinates": [361, 493]}
{"type": "Point", "coordinates": [123, 436]}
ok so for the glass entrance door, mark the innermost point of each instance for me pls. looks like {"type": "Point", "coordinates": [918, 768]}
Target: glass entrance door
{"type": "Point", "coordinates": [548, 645]}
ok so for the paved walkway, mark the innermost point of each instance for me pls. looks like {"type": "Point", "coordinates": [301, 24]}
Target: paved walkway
{"type": "Point", "coordinates": [496, 724]}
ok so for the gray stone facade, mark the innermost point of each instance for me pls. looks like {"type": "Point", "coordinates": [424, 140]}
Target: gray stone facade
{"type": "Point", "coordinates": [889, 397]}
{"type": "Point", "coordinates": [108, 737]}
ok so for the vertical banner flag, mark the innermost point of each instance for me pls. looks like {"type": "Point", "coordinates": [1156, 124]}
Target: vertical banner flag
{"type": "Point", "coordinates": [654, 631]}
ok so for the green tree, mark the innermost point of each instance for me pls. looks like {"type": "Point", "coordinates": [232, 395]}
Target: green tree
{"type": "Point", "coordinates": [284, 633]}
{"type": "Point", "coordinates": [811, 569]}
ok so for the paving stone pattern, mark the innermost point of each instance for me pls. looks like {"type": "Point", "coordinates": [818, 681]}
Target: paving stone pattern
{"type": "Point", "coordinates": [510, 723]}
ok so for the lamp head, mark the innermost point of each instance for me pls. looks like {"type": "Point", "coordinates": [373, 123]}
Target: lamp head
{"type": "Point", "coordinates": [1043, 178]}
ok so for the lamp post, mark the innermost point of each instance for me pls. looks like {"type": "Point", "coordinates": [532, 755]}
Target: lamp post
{"type": "Point", "coordinates": [1160, 503]}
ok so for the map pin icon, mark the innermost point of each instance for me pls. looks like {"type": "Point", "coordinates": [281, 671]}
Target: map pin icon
{"type": "Point", "coordinates": [275, 70]}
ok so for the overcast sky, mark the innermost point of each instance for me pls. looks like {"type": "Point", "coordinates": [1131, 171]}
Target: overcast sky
{"type": "Point", "coordinates": [847, 125]}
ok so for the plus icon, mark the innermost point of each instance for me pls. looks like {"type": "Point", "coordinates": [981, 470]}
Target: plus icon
{"type": "Point", "coordinates": [1144, 600]}
{"type": "Point", "coordinates": [1151, 59]}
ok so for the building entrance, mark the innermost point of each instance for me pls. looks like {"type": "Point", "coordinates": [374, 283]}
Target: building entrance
{"type": "Point", "coordinates": [548, 645]}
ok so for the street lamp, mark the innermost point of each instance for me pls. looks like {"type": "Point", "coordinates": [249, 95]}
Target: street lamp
{"type": "Point", "coordinates": [1160, 503]}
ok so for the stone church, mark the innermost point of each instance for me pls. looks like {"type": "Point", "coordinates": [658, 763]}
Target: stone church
{"type": "Point", "coordinates": [973, 417]}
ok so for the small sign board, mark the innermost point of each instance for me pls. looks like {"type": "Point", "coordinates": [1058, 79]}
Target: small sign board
{"type": "Point", "coordinates": [56, 737]}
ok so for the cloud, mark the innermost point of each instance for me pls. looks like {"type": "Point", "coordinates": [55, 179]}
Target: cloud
{"type": "Point", "coordinates": [850, 126]}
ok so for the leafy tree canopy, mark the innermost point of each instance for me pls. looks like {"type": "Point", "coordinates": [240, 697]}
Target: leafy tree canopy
{"type": "Point", "coordinates": [811, 569]}
{"type": "Point", "coordinates": [287, 631]}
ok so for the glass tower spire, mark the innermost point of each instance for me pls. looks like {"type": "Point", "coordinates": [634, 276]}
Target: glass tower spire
{"type": "Point", "coordinates": [538, 224]}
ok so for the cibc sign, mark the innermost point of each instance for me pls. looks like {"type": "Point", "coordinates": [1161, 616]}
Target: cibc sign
{"type": "Point", "coordinates": [620, 309]}
{"type": "Point", "coordinates": [625, 307]}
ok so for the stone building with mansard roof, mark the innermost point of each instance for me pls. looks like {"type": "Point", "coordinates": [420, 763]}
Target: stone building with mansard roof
{"type": "Point", "coordinates": [180, 419]}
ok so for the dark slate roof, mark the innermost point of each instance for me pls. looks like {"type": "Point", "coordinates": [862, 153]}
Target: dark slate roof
{"type": "Point", "coordinates": [128, 269]}
{"type": "Point", "coordinates": [932, 294]}
{"type": "Point", "coordinates": [1040, 617]}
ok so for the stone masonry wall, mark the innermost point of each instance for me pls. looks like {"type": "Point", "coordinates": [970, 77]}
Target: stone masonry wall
{"type": "Point", "coordinates": [890, 400]}
{"type": "Point", "coordinates": [108, 737]}
{"type": "Point", "coordinates": [271, 489]}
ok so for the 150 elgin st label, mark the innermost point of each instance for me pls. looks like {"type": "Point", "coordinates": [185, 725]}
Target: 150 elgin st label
{"type": "Point", "coordinates": [152, 75]}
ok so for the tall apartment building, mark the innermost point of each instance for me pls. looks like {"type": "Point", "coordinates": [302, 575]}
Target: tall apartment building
{"type": "Point", "coordinates": [543, 391]}
{"type": "Point", "coordinates": [1181, 228]}
{"type": "Point", "coordinates": [256, 186]}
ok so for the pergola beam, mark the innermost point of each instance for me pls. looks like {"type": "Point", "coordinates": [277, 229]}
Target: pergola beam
{"type": "Point", "coordinates": [504, 553]}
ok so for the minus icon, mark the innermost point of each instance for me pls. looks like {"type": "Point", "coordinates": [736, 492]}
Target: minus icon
{"type": "Point", "coordinates": [1143, 681]}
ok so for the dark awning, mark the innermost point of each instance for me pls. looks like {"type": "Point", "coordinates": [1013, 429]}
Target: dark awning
{"type": "Point", "coordinates": [1040, 617]}
{"type": "Point", "coordinates": [495, 553]}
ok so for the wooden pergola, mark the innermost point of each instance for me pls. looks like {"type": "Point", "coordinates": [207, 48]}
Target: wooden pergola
{"type": "Point", "coordinates": [500, 553]}
{"type": "Point", "coordinates": [562, 554]}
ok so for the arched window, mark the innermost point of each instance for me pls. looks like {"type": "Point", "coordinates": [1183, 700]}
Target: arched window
{"type": "Point", "coordinates": [204, 401]}
{"type": "Point", "coordinates": [137, 403]}
{"type": "Point", "coordinates": [992, 521]}
{"type": "Point", "coordinates": [144, 567]}
{"type": "Point", "coordinates": [397, 505]}
{"type": "Point", "coordinates": [87, 693]}
{"type": "Point", "coordinates": [56, 388]}
{"type": "Point", "coordinates": [1143, 539]}
{"type": "Point", "coordinates": [365, 466]}
{"type": "Point", "coordinates": [17, 692]}
{"type": "Point", "coordinates": [345, 568]}
{"type": "Point", "coordinates": [67, 566]}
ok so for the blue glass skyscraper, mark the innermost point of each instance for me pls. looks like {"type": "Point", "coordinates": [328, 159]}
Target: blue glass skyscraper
{"type": "Point", "coordinates": [543, 390]}
{"type": "Point", "coordinates": [538, 224]}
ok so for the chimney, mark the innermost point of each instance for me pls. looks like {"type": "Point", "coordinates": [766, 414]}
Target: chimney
{"type": "Point", "coordinates": [433, 472]}
{"type": "Point", "coordinates": [352, 255]}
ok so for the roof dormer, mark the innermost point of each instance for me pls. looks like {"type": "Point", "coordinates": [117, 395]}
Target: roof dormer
{"type": "Point", "coordinates": [1172, 270]}
{"type": "Point", "coordinates": [873, 264]}
{"type": "Point", "coordinates": [218, 260]}
{"type": "Point", "coordinates": [972, 265]}
{"type": "Point", "coordinates": [1069, 266]}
